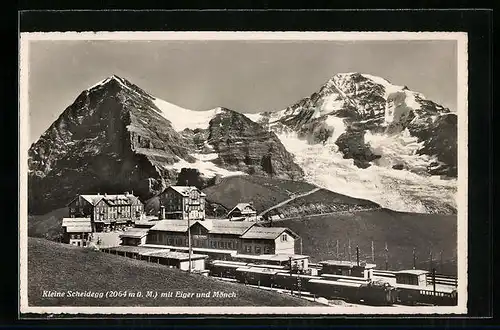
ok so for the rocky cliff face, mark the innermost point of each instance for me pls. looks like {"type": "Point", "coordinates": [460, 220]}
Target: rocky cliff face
{"type": "Point", "coordinates": [116, 138]}
{"type": "Point", "coordinates": [362, 136]}
{"type": "Point", "coordinates": [244, 145]}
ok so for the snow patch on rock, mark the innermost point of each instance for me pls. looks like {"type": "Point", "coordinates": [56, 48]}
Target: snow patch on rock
{"type": "Point", "coordinates": [206, 168]}
{"type": "Point", "coordinates": [181, 118]}
{"type": "Point", "coordinates": [399, 190]}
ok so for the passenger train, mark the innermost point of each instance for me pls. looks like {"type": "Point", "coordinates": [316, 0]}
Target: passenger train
{"type": "Point", "coordinates": [349, 288]}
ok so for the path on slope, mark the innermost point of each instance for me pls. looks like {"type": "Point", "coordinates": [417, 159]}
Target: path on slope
{"type": "Point", "coordinates": [289, 200]}
{"type": "Point", "coordinates": [328, 213]}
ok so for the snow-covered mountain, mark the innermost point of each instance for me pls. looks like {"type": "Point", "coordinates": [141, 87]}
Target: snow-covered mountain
{"type": "Point", "coordinates": [358, 135]}
{"type": "Point", "coordinates": [116, 137]}
{"type": "Point", "coordinates": [362, 136]}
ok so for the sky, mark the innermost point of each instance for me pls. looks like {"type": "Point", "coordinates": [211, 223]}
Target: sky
{"type": "Point", "coordinates": [245, 76]}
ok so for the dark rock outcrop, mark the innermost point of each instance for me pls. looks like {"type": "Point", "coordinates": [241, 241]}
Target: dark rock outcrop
{"type": "Point", "coordinates": [352, 145]}
{"type": "Point", "coordinates": [246, 146]}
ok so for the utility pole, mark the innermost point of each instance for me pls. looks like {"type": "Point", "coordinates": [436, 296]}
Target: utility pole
{"type": "Point", "coordinates": [190, 250]}
{"type": "Point", "coordinates": [357, 255]}
{"type": "Point", "coordinates": [337, 247]}
{"type": "Point", "coordinates": [349, 249]}
{"type": "Point", "coordinates": [434, 281]}
{"type": "Point", "coordinates": [414, 259]}
{"type": "Point", "coordinates": [441, 262]}
{"type": "Point", "coordinates": [373, 253]}
{"type": "Point", "coordinates": [300, 245]}
{"type": "Point", "coordinates": [430, 260]}
{"type": "Point", "coordinates": [386, 257]}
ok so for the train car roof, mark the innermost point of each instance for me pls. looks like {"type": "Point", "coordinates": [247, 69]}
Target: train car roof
{"type": "Point", "coordinates": [298, 275]}
{"type": "Point", "coordinates": [256, 270]}
{"type": "Point", "coordinates": [227, 262]}
{"type": "Point", "coordinates": [439, 288]}
{"type": "Point", "coordinates": [354, 285]}
{"type": "Point", "coordinates": [412, 272]}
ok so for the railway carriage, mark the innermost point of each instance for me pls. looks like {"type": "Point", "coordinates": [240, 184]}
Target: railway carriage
{"type": "Point", "coordinates": [256, 276]}
{"type": "Point", "coordinates": [412, 295]}
{"type": "Point", "coordinates": [372, 293]}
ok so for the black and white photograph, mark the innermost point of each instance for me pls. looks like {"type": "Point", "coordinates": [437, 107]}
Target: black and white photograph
{"type": "Point", "coordinates": [243, 173]}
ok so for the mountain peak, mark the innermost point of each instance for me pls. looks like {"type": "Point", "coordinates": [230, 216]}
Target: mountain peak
{"type": "Point", "coordinates": [105, 81]}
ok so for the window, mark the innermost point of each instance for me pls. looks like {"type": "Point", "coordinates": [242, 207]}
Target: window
{"type": "Point", "coordinates": [248, 248]}
{"type": "Point", "coordinates": [284, 238]}
{"type": "Point", "coordinates": [257, 249]}
{"type": "Point", "coordinates": [267, 250]}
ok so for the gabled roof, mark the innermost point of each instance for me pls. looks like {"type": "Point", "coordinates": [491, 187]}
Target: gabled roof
{"type": "Point", "coordinates": [171, 225]}
{"type": "Point", "coordinates": [241, 207]}
{"type": "Point", "coordinates": [230, 227]}
{"type": "Point", "coordinates": [92, 199]}
{"type": "Point", "coordinates": [181, 256]}
{"type": "Point", "coordinates": [77, 225]}
{"type": "Point", "coordinates": [121, 199]}
{"type": "Point", "coordinates": [267, 232]}
{"type": "Point", "coordinates": [185, 190]}
{"type": "Point", "coordinates": [116, 200]}
{"type": "Point", "coordinates": [213, 226]}
{"type": "Point", "coordinates": [135, 233]}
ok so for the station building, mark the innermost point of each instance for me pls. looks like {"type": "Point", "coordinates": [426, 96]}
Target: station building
{"type": "Point", "coordinates": [243, 237]}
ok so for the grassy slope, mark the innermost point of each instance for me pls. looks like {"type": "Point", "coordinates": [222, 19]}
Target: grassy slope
{"type": "Point", "coordinates": [47, 225]}
{"type": "Point", "coordinates": [54, 266]}
{"type": "Point", "coordinates": [264, 192]}
{"type": "Point", "coordinates": [401, 231]}
{"type": "Point", "coordinates": [322, 201]}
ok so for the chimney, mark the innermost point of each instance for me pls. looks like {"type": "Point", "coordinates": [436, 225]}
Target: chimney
{"type": "Point", "coordinates": [105, 194]}
{"type": "Point", "coordinates": [162, 213]}
{"type": "Point", "coordinates": [126, 193]}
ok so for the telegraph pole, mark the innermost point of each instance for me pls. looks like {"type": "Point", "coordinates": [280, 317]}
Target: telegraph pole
{"type": "Point", "coordinates": [441, 262]}
{"type": "Point", "coordinates": [414, 259]}
{"type": "Point", "coordinates": [430, 260]}
{"type": "Point", "coordinates": [349, 249]}
{"type": "Point", "coordinates": [190, 251]}
{"type": "Point", "coordinates": [386, 257]}
{"type": "Point", "coordinates": [357, 255]}
{"type": "Point", "coordinates": [337, 246]}
{"type": "Point", "coordinates": [373, 253]}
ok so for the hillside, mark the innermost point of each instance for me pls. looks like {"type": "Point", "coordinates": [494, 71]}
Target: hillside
{"type": "Point", "coordinates": [63, 267]}
{"type": "Point", "coordinates": [264, 192]}
{"type": "Point", "coordinates": [47, 225]}
{"type": "Point", "coordinates": [320, 202]}
{"type": "Point", "coordinates": [401, 231]}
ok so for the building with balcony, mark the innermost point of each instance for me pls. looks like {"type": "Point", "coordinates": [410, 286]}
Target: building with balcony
{"type": "Point", "coordinates": [107, 211]}
{"type": "Point", "coordinates": [181, 202]}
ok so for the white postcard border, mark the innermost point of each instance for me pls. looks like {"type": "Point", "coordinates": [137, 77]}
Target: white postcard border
{"type": "Point", "coordinates": [460, 37]}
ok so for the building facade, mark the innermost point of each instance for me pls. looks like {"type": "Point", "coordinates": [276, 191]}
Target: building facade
{"type": "Point", "coordinates": [243, 212]}
{"type": "Point", "coordinates": [107, 211]}
{"type": "Point", "coordinates": [134, 237]}
{"type": "Point", "coordinates": [76, 231]}
{"type": "Point", "coordinates": [181, 202]}
{"type": "Point", "coordinates": [242, 237]}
